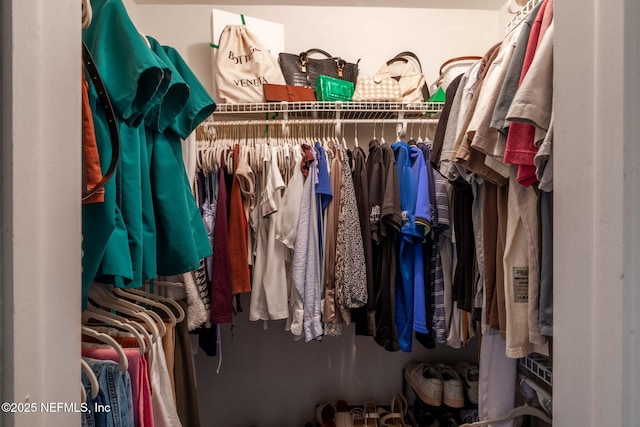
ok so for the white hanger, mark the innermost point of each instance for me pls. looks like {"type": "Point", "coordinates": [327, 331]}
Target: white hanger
{"type": "Point", "coordinates": [154, 317]}
{"type": "Point", "coordinates": [127, 294]}
{"type": "Point", "coordinates": [382, 141]}
{"type": "Point", "coordinates": [87, 14]}
{"type": "Point", "coordinates": [355, 134]}
{"type": "Point", "coordinates": [105, 298]}
{"type": "Point", "coordinates": [146, 40]}
{"type": "Point", "coordinates": [141, 335]}
{"type": "Point", "coordinates": [420, 140]}
{"type": "Point", "coordinates": [156, 297]}
{"type": "Point", "coordinates": [109, 300]}
{"type": "Point", "coordinates": [123, 364]}
{"type": "Point", "coordinates": [520, 411]}
{"type": "Point", "coordinates": [95, 388]}
{"type": "Point", "coordinates": [401, 130]}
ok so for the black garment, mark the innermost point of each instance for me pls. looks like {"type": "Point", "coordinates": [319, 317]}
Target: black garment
{"type": "Point", "coordinates": [464, 277]}
{"type": "Point", "coordinates": [364, 317]}
{"type": "Point", "coordinates": [385, 217]}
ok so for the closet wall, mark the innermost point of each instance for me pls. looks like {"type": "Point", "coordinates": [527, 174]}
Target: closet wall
{"type": "Point", "coordinates": [373, 34]}
{"type": "Point", "coordinates": [265, 378]}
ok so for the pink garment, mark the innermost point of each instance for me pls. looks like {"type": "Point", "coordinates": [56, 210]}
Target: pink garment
{"type": "Point", "coordinates": [140, 388]}
{"type": "Point", "coordinates": [520, 148]}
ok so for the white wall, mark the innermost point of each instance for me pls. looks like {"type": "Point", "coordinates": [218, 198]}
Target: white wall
{"type": "Point", "coordinates": [132, 8]}
{"type": "Point", "coordinates": [41, 189]}
{"type": "Point", "coordinates": [504, 17]}
{"type": "Point", "coordinates": [372, 34]}
{"type": "Point", "coordinates": [596, 193]}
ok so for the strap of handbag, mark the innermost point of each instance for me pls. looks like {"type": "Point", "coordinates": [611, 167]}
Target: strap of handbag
{"type": "Point", "coordinates": [314, 50]}
{"type": "Point", "coordinates": [95, 78]}
{"type": "Point", "coordinates": [402, 56]}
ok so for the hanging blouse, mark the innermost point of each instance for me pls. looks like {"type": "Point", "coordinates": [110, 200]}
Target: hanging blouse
{"type": "Point", "coordinates": [108, 244]}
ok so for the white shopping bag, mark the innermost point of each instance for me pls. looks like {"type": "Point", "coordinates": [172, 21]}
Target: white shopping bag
{"type": "Point", "coordinates": [242, 66]}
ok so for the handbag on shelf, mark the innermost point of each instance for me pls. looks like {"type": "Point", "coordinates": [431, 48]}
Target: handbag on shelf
{"type": "Point", "coordinates": [288, 93]}
{"type": "Point", "coordinates": [303, 70]}
{"type": "Point", "coordinates": [379, 88]}
{"type": "Point", "coordinates": [332, 89]}
{"type": "Point", "coordinates": [413, 87]}
{"type": "Point", "coordinates": [242, 66]}
{"type": "Point", "coordinates": [452, 68]}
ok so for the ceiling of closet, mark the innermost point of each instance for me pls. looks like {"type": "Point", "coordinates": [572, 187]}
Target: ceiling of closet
{"type": "Point", "coordinates": [433, 4]}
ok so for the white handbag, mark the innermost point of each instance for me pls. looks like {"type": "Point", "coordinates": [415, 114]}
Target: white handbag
{"type": "Point", "coordinates": [412, 83]}
{"type": "Point", "coordinates": [242, 66]}
{"type": "Point", "coordinates": [379, 88]}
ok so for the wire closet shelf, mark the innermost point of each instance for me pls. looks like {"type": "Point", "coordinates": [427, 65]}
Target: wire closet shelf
{"type": "Point", "coordinates": [521, 15]}
{"type": "Point", "coordinates": [343, 111]}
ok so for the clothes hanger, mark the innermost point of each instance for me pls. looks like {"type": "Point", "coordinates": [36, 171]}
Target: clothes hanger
{"type": "Point", "coordinates": [87, 14]}
{"type": "Point", "coordinates": [123, 364]}
{"type": "Point", "coordinates": [355, 134]}
{"type": "Point", "coordinates": [148, 333]}
{"type": "Point", "coordinates": [107, 292]}
{"type": "Point", "coordinates": [144, 300]}
{"type": "Point", "coordinates": [163, 299]}
{"type": "Point", "coordinates": [95, 388]}
{"type": "Point", "coordinates": [520, 411]}
{"type": "Point", "coordinates": [420, 140]}
{"type": "Point", "coordinates": [141, 335]}
{"type": "Point", "coordinates": [106, 299]}
{"type": "Point", "coordinates": [401, 130]}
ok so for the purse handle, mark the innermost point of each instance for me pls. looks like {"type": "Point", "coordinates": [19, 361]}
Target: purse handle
{"type": "Point", "coordinates": [458, 58]}
{"type": "Point", "coordinates": [402, 56]}
{"type": "Point", "coordinates": [314, 50]}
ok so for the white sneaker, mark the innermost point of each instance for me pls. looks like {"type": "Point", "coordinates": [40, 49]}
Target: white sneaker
{"type": "Point", "coordinates": [426, 382]}
{"type": "Point", "coordinates": [453, 394]}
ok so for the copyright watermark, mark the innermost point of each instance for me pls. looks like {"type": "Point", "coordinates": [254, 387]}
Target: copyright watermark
{"type": "Point", "coordinates": [52, 407]}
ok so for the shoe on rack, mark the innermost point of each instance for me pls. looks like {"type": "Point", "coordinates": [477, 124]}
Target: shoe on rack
{"type": "Point", "coordinates": [447, 420]}
{"type": "Point", "coordinates": [358, 417]}
{"type": "Point", "coordinates": [452, 394]}
{"type": "Point", "coordinates": [423, 415]}
{"type": "Point", "coordinates": [371, 414]}
{"type": "Point", "coordinates": [399, 408]}
{"type": "Point", "coordinates": [399, 404]}
{"type": "Point", "coordinates": [326, 415]}
{"type": "Point", "coordinates": [470, 375]}
{"type": "Point", "coordinates": [426, 381]}
{"type": "Point", "coordinates": [343, 415]}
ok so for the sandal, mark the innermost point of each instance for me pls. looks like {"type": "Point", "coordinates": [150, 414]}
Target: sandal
{"type": "Point", "coordinates": [326, 415]}
{"type": "Point", "coordinates": [344, 418]}
{"type": "Point", "coordinates": [371, 414]}
{"type": "Point", "coordinates": [358, 417]}
{"type": "Point", "coordinates": [399, 408]}
{"type": "Point", "coordinates": [399, 404]}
